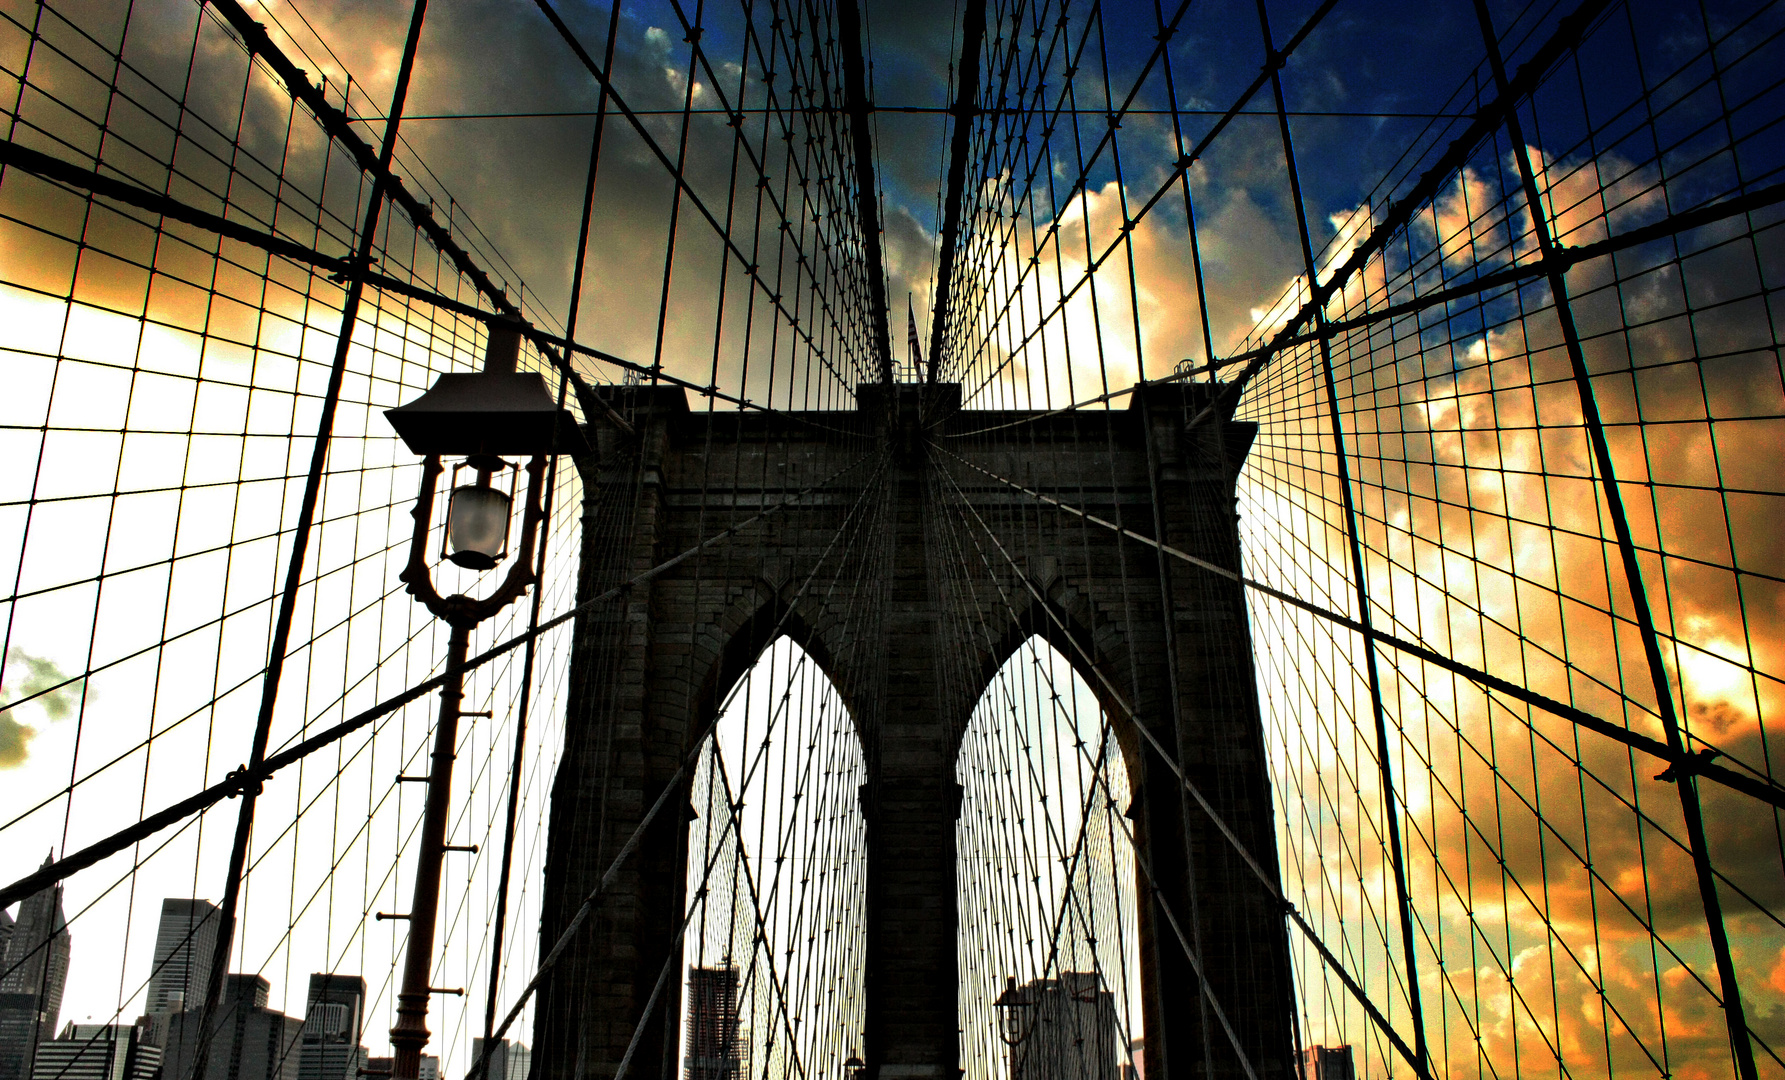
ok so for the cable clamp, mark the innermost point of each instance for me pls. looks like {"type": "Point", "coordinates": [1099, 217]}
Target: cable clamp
{"type": "Point", "coordinates": [1690, 765]}
{"type": "Point", "coordinates": [353, 264]}
{"type": "Point", "coordinates": [244, 784]}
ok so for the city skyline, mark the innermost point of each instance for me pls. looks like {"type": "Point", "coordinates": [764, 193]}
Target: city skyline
{"type": "Point", "coordinates": [249, 1040]}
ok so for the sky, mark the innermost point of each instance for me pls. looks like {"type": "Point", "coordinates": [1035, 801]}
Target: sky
{"type": "Point", "coordinates": [168, 430]}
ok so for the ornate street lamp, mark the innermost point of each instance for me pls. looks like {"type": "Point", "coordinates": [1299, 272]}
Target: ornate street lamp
{"type": "Point", "coordinates": [481, 417]}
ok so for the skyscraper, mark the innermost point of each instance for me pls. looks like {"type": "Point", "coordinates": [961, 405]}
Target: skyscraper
{"type": "Point", "coordinates": [1062, 1029]}
{"type": "Point", "coordinates": [185, 946]}
{"type": "Point", "coordinates": [429, 1069]}
{"type": "Point", "coordinates": [97, 1052]}
{"type": "Point", "coordinates": [334, 1018]}
{"type": "Point", "coordinates": [508, 1060]}
{"type": "Point", "coordinates": [32, 976]}
{"type": "Point", "coordinates": [248, 1042]}
{"type": "Point", "coordinates": [1327, 1063]}
{"type": "Point", "coordinates": [1135, 1068]}
{"type": "Point", "coordinates": [715, 1041]}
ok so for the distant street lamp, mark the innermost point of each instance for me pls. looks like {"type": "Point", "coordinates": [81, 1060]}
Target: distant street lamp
{"type": "Point", "coordinates": [483, 417]}
{"type": "Point", "coordinates": [1015, 1027]}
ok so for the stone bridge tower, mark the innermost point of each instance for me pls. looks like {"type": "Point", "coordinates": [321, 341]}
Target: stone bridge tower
{"type": "Point", "coordinates": [911, 645]}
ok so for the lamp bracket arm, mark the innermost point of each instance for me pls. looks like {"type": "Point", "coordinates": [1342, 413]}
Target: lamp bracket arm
{"type": "Point", "coordinates": [415, 575]}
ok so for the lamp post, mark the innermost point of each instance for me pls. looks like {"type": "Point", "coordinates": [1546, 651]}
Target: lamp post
{"type": "Point", "coordinates": [1015, 1029]}
{"type": "Point", "coordinates": [481, 417]}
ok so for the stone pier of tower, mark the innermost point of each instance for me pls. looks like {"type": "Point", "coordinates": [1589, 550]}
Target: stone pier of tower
{"type": "Point", "coordinates": [847, 539]}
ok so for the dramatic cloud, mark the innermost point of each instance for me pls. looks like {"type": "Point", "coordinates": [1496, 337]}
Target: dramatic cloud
{"type": "Point", "coordinates": [1487, 539]}
{"type": "Point", "coordinates": [41, 685]}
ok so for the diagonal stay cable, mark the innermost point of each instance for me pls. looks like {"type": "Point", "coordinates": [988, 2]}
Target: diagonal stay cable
{"type": "Point", "coordinates": [1562, 258]}
{"type": "Point", "coordinates": [966, 107]}
{"type": "Point", "coordinates": [1569, 31]}
{"type": "Point", "coordinates": [53, 168]}
{"type": "Point", "coordinates": [1271, 887]}
{"type": "Point", "coordinates": [688, 192]}
{"type": "Point", "coordinates": [777, 980]}
{"type": "Point", "coordinates": [1107, 729]}
{"type": "Point", "coordinates": [1568, 34]}
{"type": "Point", "coordinates": [672, 784]}
{"type": "Point", "coordinates": [257, 42]}
{"type": "Point", "coordinates": [1756, 788]}
{"type": "Point", "coordinates": [1180, 169]}
{"type": "Point", "coordinates": [669, 965]}
{"type": "Point", "coordinates": [241, 780]}
{"type": "Point", "coordinates": [799, 170]}
{"type": "Point", "coordinates": [693, 34]}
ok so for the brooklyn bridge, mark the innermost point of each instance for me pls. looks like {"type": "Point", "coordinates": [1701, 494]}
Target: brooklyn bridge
{"type": "Point", "coordinates": [986, 540]}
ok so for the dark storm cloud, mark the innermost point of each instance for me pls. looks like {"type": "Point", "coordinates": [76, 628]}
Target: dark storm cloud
{"type": "Point", "coordinates": [520, 179]}
{"type": "Point", "coordinates": [516, 183]}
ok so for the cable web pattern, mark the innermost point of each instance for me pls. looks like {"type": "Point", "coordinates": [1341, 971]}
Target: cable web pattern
{"type": "Point", "coordinates": [1300, 596]}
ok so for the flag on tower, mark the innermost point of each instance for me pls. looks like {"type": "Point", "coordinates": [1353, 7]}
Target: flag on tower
{"type": "Point", "coordinates": [911, 324]}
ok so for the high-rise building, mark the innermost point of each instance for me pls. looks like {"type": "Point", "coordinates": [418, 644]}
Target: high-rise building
{"type": "Point", "coordinates": [1135, 1068]}
{"type": "Point", "coordinates": [32, 976]}
{"type": "Point", "coordinates": [716, 1048]}
{"type": "Point", "coordinates": [185, 947]}
{"type": "Point", "coordinates": [1063, 1029]}
{"type": "Point", "coordinates": [97, 1052]}
{"type": "Point", "coordinates": [508, 1060]}
{"type": "Point", "coordinates": [334, 1019]}
{"type": "Point", "coordinates": [1327, 1063]}
{"type": "Point", "coordinates": [248, 1040]}
{"type": "Point", "coordinates": [428, 1069]}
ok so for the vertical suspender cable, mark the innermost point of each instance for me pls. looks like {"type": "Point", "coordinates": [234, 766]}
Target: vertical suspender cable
{"type": "Point", "coordinates": [294, 571]}
{"type": "Point", "coordinates": [520, 735]}
{"type": "Point", "coordinates": [965, 109]}
{"type": "Point", "coordinates": [1390, 810]}
{"type": "Point", "coordinates": [866, 187]}
{"type": "Point", "coordinates": [1684, 779]}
